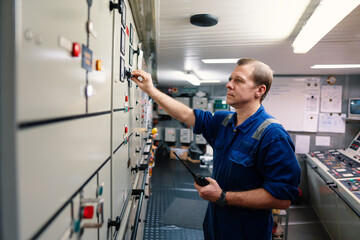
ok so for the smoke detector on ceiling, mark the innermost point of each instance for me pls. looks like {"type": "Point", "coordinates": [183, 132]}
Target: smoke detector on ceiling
{"type": "Point", "coordinates": [203, 20]}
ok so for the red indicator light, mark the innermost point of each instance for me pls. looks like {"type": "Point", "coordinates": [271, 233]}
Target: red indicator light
{"type": "Point", "coordinates": [126, 129]}
{"type": "Point", "coordinates": [126, 98]}
{"type": "Point", "coordinates": [75, 50]}
{"type": "Point", "coordinates": [88, 212]}
{"type": "Point", "coordinates": [127, 31]}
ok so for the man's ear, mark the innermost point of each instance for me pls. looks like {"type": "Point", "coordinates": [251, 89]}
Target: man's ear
{"type": "Point", "coordinates": [260, 90]}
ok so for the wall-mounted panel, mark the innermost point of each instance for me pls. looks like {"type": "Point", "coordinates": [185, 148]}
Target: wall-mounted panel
{"type": "Point", "coordinates": [100, 42]}
{"type": "Point", "coordinates": [50, 80]}
{"type": "Point", "coordinates": [120, 128]}
{"type": "Point", "coordinates": [120, 62]}
{"type": "Point", "coordinates": [54, 161]}
{"type": "Point", "coordinates": [88, 193]}
{"type": "Point", "coordinates": [60, 227]}
{"type": "Point", "coordinates": [121, 180]}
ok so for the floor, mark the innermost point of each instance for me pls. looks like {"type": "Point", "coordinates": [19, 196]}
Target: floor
{"type": "Point", "coordinates": [171, 180]}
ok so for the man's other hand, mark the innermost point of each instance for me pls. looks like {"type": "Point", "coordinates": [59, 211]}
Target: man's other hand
{"type": "Point", "coordinates": [210, 192]}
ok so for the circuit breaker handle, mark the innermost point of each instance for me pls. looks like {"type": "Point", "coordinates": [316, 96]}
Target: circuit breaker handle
{"type": "Point", "coordinates": [117, 6]}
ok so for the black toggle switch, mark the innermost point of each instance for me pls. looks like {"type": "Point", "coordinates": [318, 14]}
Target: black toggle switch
{"type": "Point", "coordinates": [128, 73]}
{"type": "Point", "coordinates": [115, 223]}
{"type": "Point", "coordinates": [128, 76]}
{"type": "Point", "coordinates": [136, 51]}
{"type": "Point", "coordinates": [112, 6]}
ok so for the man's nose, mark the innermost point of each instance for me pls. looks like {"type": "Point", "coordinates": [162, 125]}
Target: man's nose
{"type": "Point", "coordinates": [229, 85]}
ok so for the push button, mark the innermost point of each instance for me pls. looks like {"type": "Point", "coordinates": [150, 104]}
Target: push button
{"type": "Point", "coordinates": [98, 65]}
{"type": "Point", "coordinates": [75, 50]}
{"type": "Point", "coordinates": [88, 212]}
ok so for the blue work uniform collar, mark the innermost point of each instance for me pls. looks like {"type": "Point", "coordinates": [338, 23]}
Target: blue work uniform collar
{"type": "Point", "coordinates": [246, 125]}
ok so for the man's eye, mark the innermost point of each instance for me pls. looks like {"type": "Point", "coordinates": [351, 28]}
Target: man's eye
{"type": "Point", "coordinates": [230, 78]}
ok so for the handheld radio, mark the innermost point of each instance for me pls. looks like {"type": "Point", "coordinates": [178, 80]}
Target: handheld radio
{"type": "Point", "coordinates": [200, 180]}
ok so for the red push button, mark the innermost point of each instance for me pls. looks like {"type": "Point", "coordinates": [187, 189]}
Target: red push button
{"type": "Point", "coordinates": [126, 129]}
{"type": "Point", "coordinates": [88, 212]}
{"type": "Point", "coordinates": [126, 98]}
{"type": "Point", "coordinates": [75, 50]}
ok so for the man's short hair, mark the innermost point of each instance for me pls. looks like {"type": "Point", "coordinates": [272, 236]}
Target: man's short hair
{"type": "Point", "coordinates": [262, 74]}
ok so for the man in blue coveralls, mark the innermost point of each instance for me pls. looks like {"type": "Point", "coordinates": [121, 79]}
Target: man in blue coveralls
{"type": "Point", "coordinates": [255, 168]}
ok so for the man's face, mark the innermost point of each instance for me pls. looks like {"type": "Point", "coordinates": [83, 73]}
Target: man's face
{"type": "Point", "coordinates": [241, 88]}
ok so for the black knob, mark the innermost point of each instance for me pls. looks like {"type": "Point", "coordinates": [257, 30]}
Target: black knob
{"type": "Point", "coordinates": [127, 73]}
{"type": "Point", "coordinates": [136, 51]}
{"type": "Point", "coordinates": [112, 6]}
{"type": "Point", "coordinates": [135, 169]}
{"type": "Point", "coordinates": [115, 223]}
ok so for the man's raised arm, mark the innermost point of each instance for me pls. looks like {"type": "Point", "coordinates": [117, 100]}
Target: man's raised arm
{"type": "Point", "coordinates": [173, 107]}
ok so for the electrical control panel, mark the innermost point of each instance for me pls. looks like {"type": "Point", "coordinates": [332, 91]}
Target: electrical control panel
{"type": "Point", "coordinates": [354, 146]}
{"type": "Point", "coordinates": [339, 165]}
{"type": "Point", "coordinates": [200, 103]}
{"type": "Point", "coordinates": [184, 100]}
{"type": "Point", "coordinates": [170, 134]}
{"type": "Point", "coordinates": [185, 135]}
{"type": "Point", "coordinates": [82, 124]}
{"type": "Point", "coordinates": [352, 185]}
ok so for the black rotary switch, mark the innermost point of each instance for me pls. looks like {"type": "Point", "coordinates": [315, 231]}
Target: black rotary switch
{"type": "Point", "coordinates": [113, 6]}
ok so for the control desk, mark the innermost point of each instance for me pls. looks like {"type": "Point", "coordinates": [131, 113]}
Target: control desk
{"type": "Point", "coordinates": [334, 182]}
{"type": "Point", "coordinates": [340, 169]}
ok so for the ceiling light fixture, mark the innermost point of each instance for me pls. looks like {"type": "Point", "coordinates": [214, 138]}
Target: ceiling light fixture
{"type": "Point", "coordinates": [224, 60]}
{"type": "Point", "coordinates": [192, 78]}
{"type": "Point", "coordinates": [330, 66]}
{"type": "Point", "coordinates": [325, 17]}
{"type": "Point", "coordinates": [209, 81]}
{"type": "Point", "coordinates": [203, 20]}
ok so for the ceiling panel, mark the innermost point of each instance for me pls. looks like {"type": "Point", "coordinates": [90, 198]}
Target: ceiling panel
{"type": "Point", "coordinates": [259, 29]}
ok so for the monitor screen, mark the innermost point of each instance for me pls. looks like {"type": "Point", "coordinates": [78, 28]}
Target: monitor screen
{"type": "Point", "coordinates": [354, 107]}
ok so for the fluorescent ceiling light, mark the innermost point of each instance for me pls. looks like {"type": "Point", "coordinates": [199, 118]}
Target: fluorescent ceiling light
{"type": "Point", "coordinates": [191, 78]}
{"type": "Point", "coordinates": [336, 66]}
{"type": "Point", "coordinates": [210, 81]}
{"type": "Point", "coordinates": [325, 17]}
{"type": "Point", "coordinates": [224, 60]}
